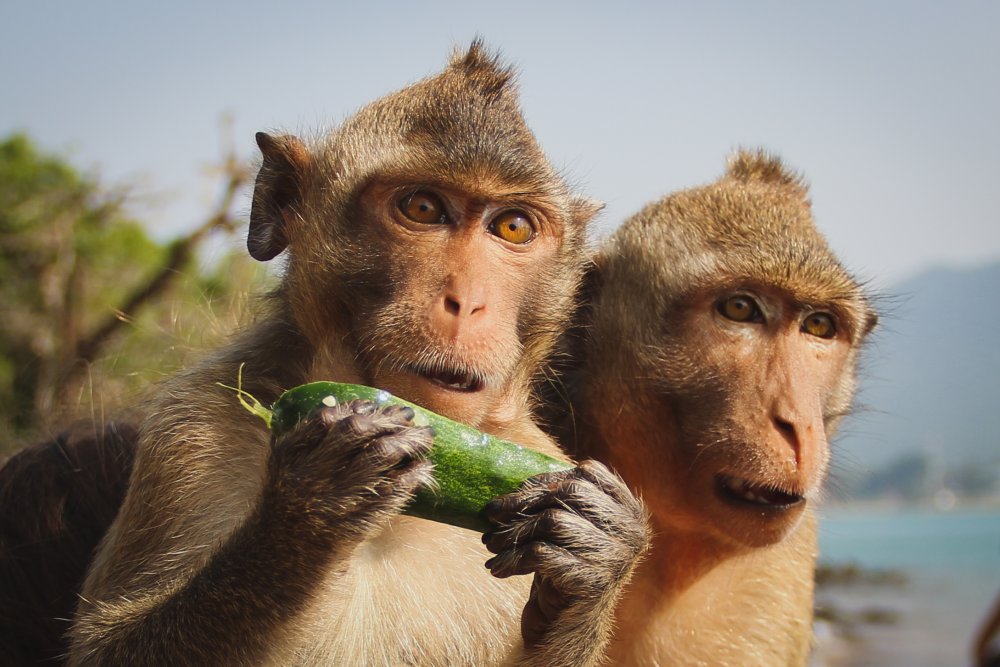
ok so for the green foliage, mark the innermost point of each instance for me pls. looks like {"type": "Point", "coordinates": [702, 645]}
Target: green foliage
{"type": "Point", "coordinates": [71, 258]}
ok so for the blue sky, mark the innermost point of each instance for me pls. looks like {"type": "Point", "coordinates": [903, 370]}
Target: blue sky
{"type": "Point", "coordinates": [890, 109]}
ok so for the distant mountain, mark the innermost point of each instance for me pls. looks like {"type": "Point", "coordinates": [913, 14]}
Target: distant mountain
{"type": "Point", "coordinates": [931, 377]}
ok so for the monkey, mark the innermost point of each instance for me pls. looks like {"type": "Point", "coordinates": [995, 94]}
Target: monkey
{"type": "Point", "coordinates": [432, 251]}
{"type": "Point", "coordinates": [57, 499]}
{"type": "Point", "coordinates": [712, 362]}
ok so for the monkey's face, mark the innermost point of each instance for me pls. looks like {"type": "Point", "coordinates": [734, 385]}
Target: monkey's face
{"type": "Point", "coordinates": [742, 386]}
{"type": "Point", "coordinates": [754, 434]}
{"type": "Point", "coordinates": [460, 276]}
{"type": "Point", "coordinates": [445, 285]}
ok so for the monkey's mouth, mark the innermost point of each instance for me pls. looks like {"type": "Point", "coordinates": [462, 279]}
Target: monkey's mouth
{"type": "Point", "coordinates": [746, 493]}
{"type": "Point", "coordinates": [452, 379]}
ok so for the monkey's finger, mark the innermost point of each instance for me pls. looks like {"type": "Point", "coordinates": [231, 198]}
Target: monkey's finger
{"type": "Point", "coordinates": [533, 557]}
{"type": "Point", "coordinates": [546, 479]}
{"type": "Point", "coordinates": [391, 418]}
{"type": "Point", "coordinates": [361, 406]}
{"type": "Point", "coordinates": [364, 427]}
{"type": "Point", "coordinates": [510, 508]}
{"type": "Point", "coordinates": [556, 526]}
{"type": "Point", "coordinates": [567, 483]}
{"type": "Point", "coordinates": [572, 493]}
{"type": "Point", "coordinates": [549, 600]}
{"type": "Point", "coordinates": [537, 493]}
{"type": "Point", "coordinates": [543, 607]}
{"type": "Point", "coordinates": [397, 449]}
{"type": "Point", "coordinates": [331, 415]}
{"type": "Point", "coordinates": [534, 625]}
{"type": "Point", "coordinates": [403, 414]}
{"type": "Point", "coordinates": [407, 480]}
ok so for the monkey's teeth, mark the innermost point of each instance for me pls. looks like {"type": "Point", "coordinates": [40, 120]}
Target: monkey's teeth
{"type": "Point", "coordinates": [454, 380]}
{"type": "Point", "coordinates": [742, 489]}
{"type": "Point", "coordinates": [758, 495]}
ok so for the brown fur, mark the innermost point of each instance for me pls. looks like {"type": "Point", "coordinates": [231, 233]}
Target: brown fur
{"type": "Point", "coordinates": [232, 549]}
{"type": "Point", "coordinates": [57, 498]}
{"type": "Point", "coordinates": [678, 398]}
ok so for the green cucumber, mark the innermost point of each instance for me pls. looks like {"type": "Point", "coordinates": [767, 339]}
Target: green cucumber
{"type": "Point", "coordinates": [471, 468]}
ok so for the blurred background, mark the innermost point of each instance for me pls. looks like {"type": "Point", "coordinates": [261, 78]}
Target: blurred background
{"type": "Point", "coordinates": [126, 151]}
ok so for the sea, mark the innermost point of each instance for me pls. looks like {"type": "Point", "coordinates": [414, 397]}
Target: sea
{"type": "Point", "coordinates": [944, 568]}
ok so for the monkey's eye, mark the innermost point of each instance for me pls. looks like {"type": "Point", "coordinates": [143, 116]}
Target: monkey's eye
{"type": "Point", "coordinates": [740, 308]}
{"type": "Point", "coordinates": [820, 325]}
{"type": "Point", "coordinates": [513, 227]}
{"type": "Point", "coordinates": [423, 207]}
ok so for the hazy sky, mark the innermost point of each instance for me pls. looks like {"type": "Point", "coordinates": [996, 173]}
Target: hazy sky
{"type": "Point", "coordinates": [890, 109]}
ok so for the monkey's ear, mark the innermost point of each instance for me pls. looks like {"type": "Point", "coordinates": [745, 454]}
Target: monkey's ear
{"type": "Point", "coordinates": [276, 192]}
{"type": "Point", "coordinates": [583, 209]}
{"type": "Point", "coordinates": [871, 321]}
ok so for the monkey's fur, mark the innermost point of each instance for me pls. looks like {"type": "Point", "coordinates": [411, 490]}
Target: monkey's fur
{"type": "Point", "coordinates": [57, 499]}
{"type": "Point", "coordinates": [232, 549]}
{"type": "Point", "coordinates": [720, 425]}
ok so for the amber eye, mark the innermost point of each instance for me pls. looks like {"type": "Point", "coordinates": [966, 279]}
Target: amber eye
{"type": "Point", "coordinates": [740, 308]}
{"type": "Point", "coordinates": [423, 207]}
{"type": "Point", "coordinates": [513, 227]}
{"type": "Point", "coordinates": [820, 325]}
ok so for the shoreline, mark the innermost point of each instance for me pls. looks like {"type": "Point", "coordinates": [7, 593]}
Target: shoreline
{"type": "Point", "coordinates": [904, 584]}
{"type": "Point", "coordinates": [897, 505]}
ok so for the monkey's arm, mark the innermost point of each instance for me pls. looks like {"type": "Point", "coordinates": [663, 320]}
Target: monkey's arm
{"type": "Point", "coordinates": [581, 532]}
{"type": "Point", "coordinates": [329, 482]}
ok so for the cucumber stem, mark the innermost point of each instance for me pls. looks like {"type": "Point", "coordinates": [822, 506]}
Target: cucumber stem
{"type": "Point", "coordinates": [253, 406]}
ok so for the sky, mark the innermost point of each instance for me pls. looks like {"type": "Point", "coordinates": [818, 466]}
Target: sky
{"type": "Point", "coordinates": [890, 109]}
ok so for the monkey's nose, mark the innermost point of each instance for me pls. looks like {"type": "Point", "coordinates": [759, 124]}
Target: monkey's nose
{"type": "Point", "coordinates": [462, 308]}
{"type": "Point", "coordinates": [805, 439]}
{"type": "Point", "coordinates": [456, 317]}
{"type": "Point", "coordinates": [789, 432]}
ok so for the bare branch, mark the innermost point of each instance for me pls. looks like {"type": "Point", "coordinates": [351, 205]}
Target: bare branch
{"type": "Point", "coordinates": [181, 252]}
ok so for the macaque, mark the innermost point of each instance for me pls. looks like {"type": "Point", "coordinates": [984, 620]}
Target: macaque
{"type": "Point", "coordinates": [57, 499]}
{"type": "Point", "coordinates": [432, 252]}
{"type": "Point", "coordinates": [713, 364]}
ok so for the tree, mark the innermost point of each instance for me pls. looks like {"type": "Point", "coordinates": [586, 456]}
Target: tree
{"type": "Point", "coordinates": [91, 300]}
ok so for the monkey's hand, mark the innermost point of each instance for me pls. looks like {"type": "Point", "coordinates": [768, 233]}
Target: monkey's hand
{"type": "Point", "coordinates": [350, 467]}
{"type": "Point", "coordinates": [581, 532]}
